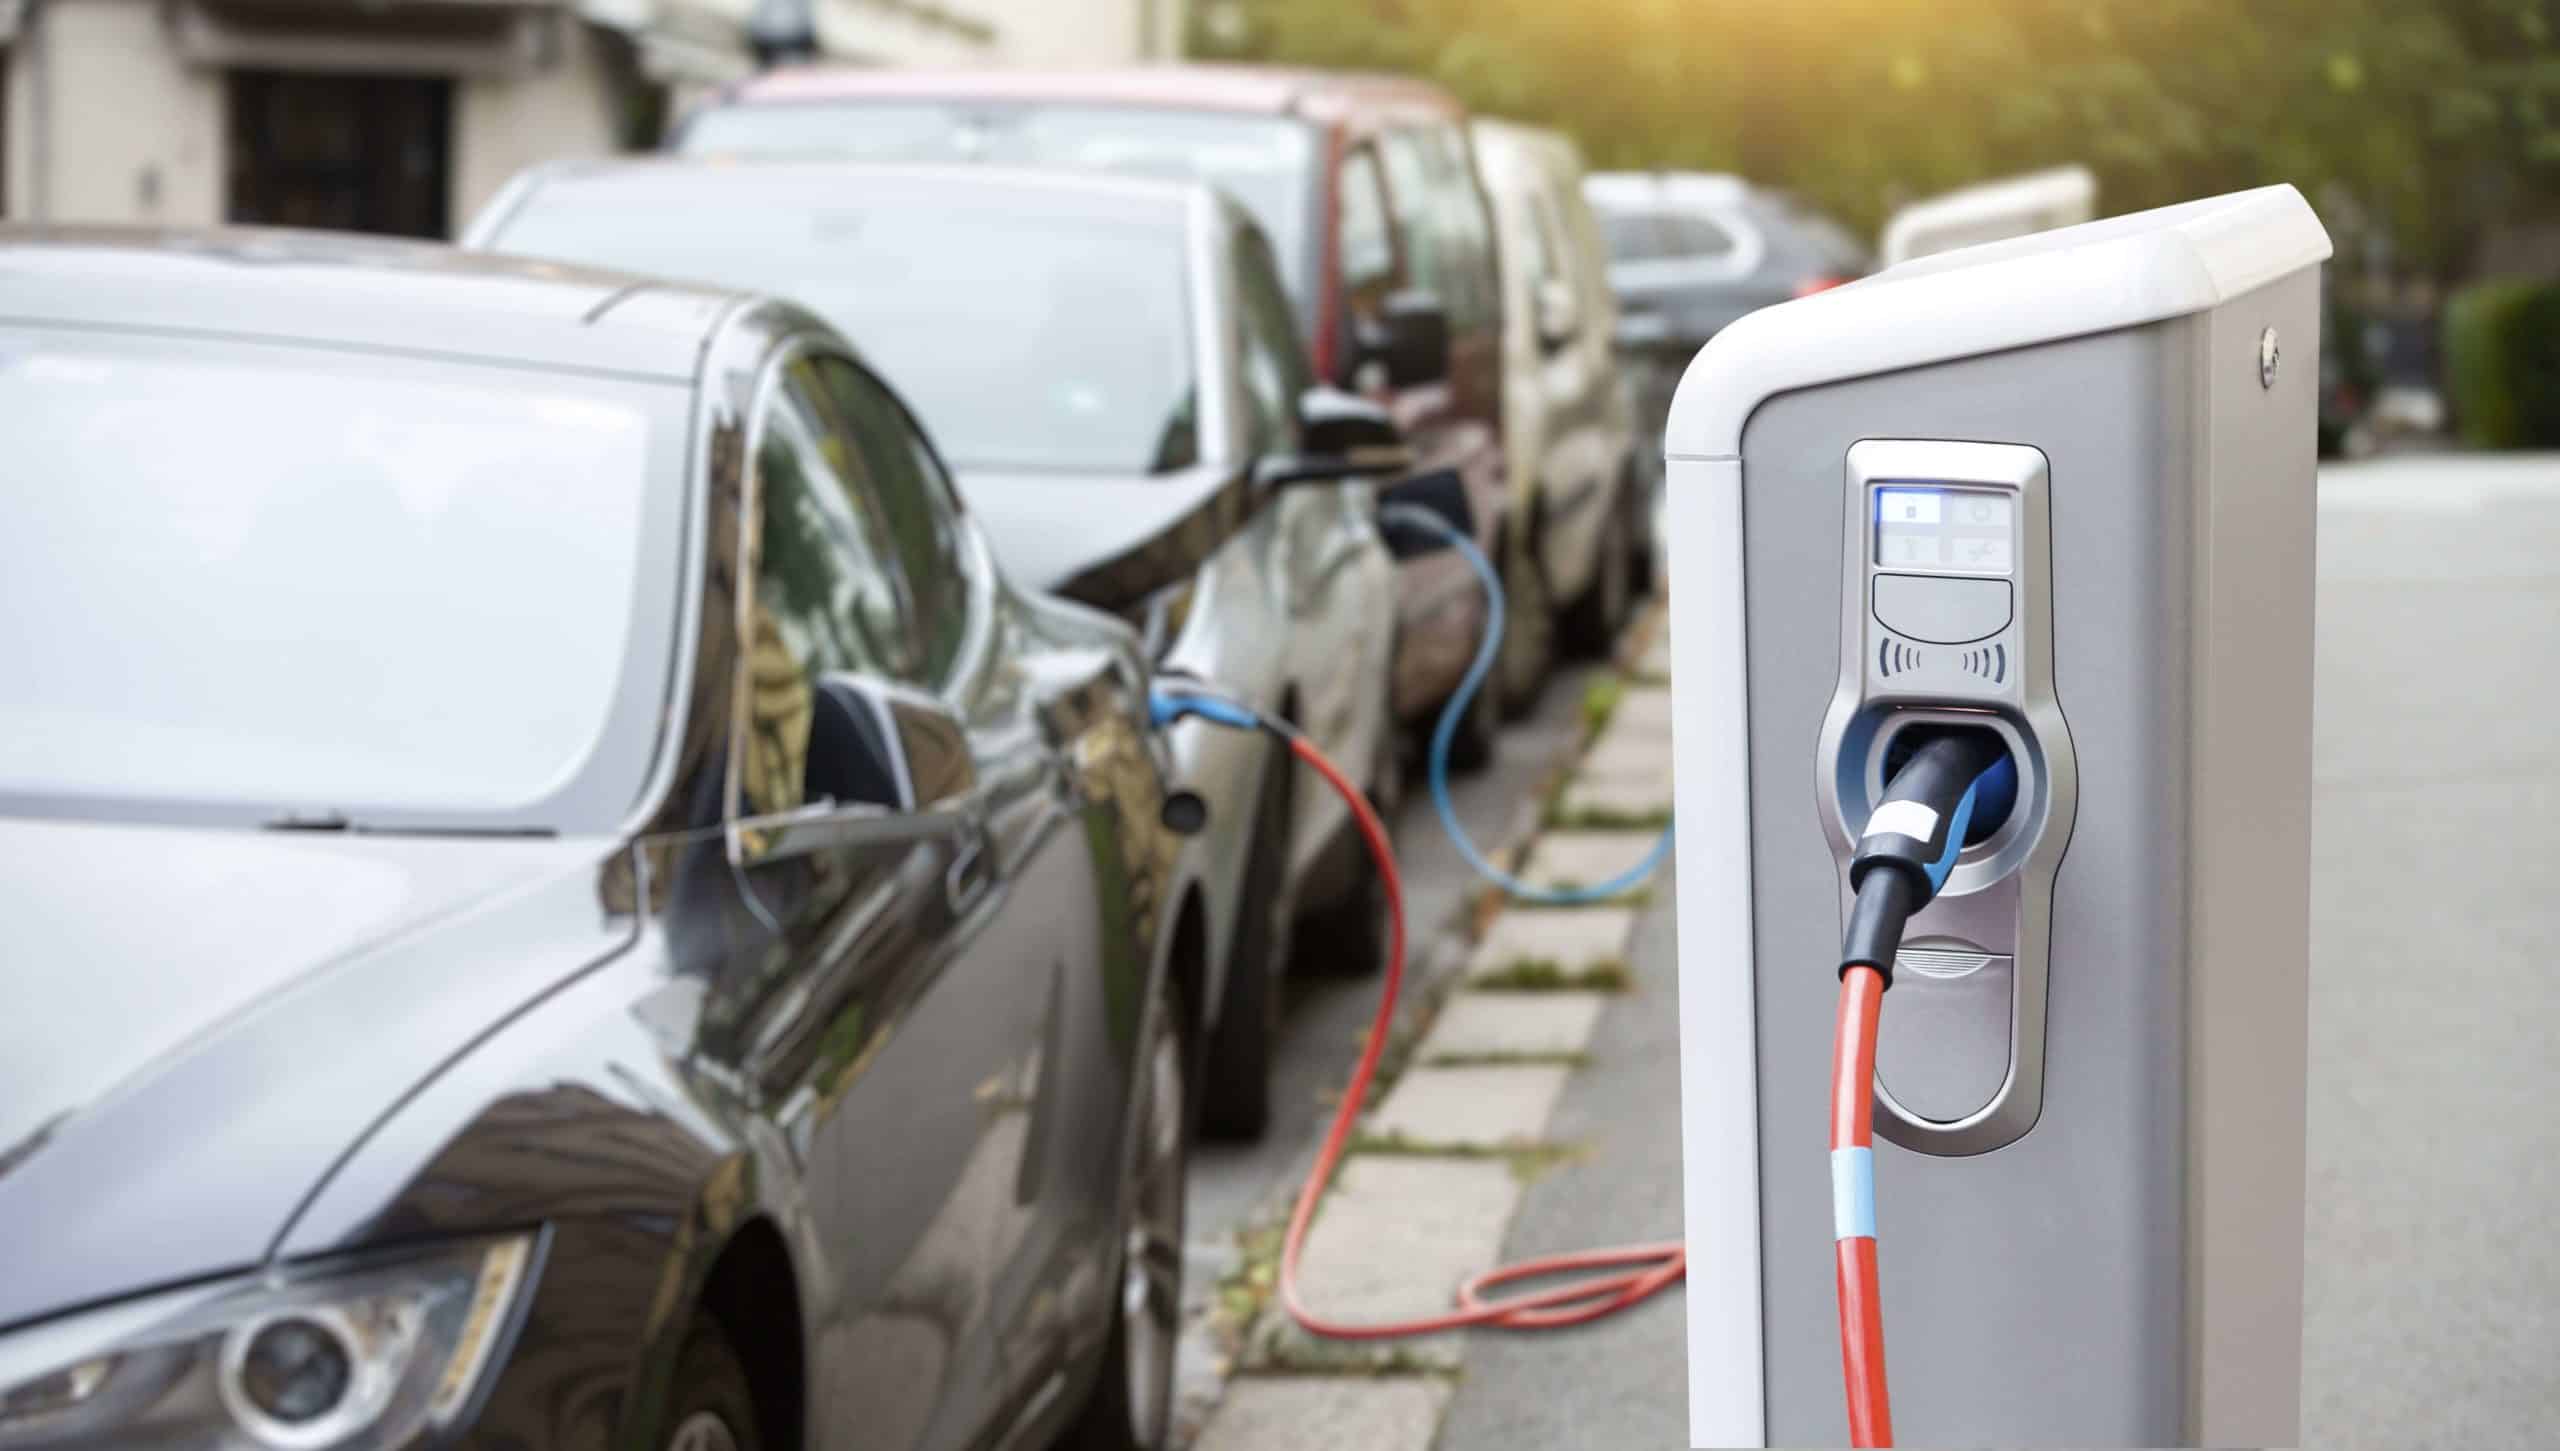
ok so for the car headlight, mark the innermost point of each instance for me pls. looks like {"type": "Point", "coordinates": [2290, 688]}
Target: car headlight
{"type": "Point", "coordinates": [372, 1354]}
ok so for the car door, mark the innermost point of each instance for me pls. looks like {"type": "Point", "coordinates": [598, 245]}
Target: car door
{"type": "Point", "coordinates": [1334, 577]}
{"type": "Point", "coordinates": [1575, 391]}
{"type": "Point", "coordinates": [866, 1023]}
{"type": "Point", "coordinates": [1057, 964]}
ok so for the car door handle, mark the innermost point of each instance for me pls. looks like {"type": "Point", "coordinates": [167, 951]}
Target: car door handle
{"type": "Point", "coordinates": [966, 879]}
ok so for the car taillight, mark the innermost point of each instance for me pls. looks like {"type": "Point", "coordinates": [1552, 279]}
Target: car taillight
{"type": "Point", "coordinates": [1818, 282]}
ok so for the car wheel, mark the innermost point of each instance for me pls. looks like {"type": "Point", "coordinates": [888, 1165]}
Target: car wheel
{"type": "Point", "coordinates": [1131, 1408]}
{"type": "Point", "coordinates": [1591, 622]}
{"type": "Point", "coordinates": [1644, 557]}
{"type": "Point", "coordinates": [1528, 631]}
{"type": "Point", "coordinates": [1236, 1078]}
{"type": "Point", "coordinates": [1351, 937]}
{"type": "Point", "coordinates": [1479, 732]}
{"type": "Point", "coordinates": [713, 1408]}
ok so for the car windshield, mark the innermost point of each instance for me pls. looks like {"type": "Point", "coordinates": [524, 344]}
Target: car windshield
{"type": "Point", "coordinates": [1267, 163]}
{"type": "Point", "coordinates": [305, 587]}
{"type": "Point", "coordinates": [1028, 332]}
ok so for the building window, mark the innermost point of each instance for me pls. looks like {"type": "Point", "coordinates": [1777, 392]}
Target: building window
{"type": "Point", "coordinates": [352, 153]}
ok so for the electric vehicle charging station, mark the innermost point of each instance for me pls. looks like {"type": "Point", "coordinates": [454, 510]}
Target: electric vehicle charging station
{"type": "Point", "coordinates": [2059, 488]}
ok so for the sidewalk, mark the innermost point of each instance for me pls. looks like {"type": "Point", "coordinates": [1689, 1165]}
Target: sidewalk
{"type": "Point", "coordinates": [1538, 1113]}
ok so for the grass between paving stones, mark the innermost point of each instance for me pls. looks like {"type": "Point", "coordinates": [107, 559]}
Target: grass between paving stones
{"type": "Point", "coordinates": [1568, 1058]}
{"type": "Point", "coordinates": [1544, 975]}
{"type": "Point", "coordinates": [1600, 701]}
{"type": "Point", "coordinates": [1527, 1162]}
{"type": "Point", "coordinates": [1591, 818]}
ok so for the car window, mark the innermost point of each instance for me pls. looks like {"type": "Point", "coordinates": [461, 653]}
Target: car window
{"type": "Point", "coordinates": [1418, 218]}
{"type": "Point", "coordinates": [1363, 241]}
{"type": "Point", "coordinates": [919, 507]}
{"type": "Point", "coordinates": [1448, 242]}
{"type": "Point", "coordinates": [1632, 235]}
{"type": "Point", "coordinates": [1274, 364]}
{"type": "Point", "coordinates": [828, 592]}
{"type": "Point", "coordinates": [1693, 237]}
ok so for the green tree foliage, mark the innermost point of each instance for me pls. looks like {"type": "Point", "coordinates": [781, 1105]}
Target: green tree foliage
{"type": "Point", "coordinates": [2433, 118]}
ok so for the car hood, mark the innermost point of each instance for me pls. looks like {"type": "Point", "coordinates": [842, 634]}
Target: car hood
{"type": "Point", "coordinates": [1107, 540]}
{"type": "Point", "coordinates": [201, 1023]}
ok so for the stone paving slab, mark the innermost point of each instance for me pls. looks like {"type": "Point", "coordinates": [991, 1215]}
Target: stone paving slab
{"type": "Point", "coordinates": [1569, 939]}
{"type": "Point", "coordinates": [1630, 758]}
{"type": "Point", "coordinates": [1328, 1413]}
{"type": "Point", "coordinates": [1486, 1025]}
{"type": "Point", "coordinates": [1496, 1107]}
{"type": "Point", "coordinates": [1392, 1241]}
{"type": "Point", "coordinates": [1643, 711]}
{"type": "Point", "coordinates": [1586, 858]}
{"type": "Point", "coordinates": [1656, 659]}
{"type": "Point", "coordinates": [1619, 801]}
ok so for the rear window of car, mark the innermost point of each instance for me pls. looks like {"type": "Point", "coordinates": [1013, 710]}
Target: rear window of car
{"type": "Point", "coordinates": [1267, 163]}
{"type": "Point", "coordinates": [1028, 332]}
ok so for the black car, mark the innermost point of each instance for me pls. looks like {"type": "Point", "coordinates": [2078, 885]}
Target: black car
{"type": "Point", "coordinates": [556, 896]}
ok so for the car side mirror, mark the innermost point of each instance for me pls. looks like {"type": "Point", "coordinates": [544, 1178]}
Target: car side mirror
{"type": "Point", "coordinates": [1340, 436]}
{"type": "Point", "coordinates": [1409, 338]}
{"type": "Point", "coordinates": [1441, 493]}
{"type": "Point", "coordinates": [1559, 313]}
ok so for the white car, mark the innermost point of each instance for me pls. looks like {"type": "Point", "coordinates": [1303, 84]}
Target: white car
{"type": "Point", "coordinates": [1566, 419]}
{"type": "Point", "coordinates": [1113, 367]}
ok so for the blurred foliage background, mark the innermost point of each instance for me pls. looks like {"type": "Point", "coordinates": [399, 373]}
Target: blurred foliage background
{"type": "Point", "coordinates": [2417, 123]}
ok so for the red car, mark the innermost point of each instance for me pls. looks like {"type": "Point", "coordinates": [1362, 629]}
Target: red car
{"type": "Point", "coordinates": [1368, 191]}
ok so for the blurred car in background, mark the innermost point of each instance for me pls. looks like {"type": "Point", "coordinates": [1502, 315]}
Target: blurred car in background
{"type": "Point", "coordinates": [1567, 430]}
{"type": "Point", "coordinates": [558, 895]}
{"type": "Point", "coordinates": [1688, 253]}
{"type": "Point", "coordinates": [1112, 366]}
{"type": "Point", "coordinates": [1991, 211]}
{"type": "Point", "coordinates": [1365, 186]}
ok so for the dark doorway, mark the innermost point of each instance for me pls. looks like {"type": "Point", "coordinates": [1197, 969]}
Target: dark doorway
{"type": "Point", "coordinates": [352, 153]}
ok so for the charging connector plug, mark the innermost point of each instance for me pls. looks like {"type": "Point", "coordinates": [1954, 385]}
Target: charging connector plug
{"type": "Point", "coordinates": [1914, 836]}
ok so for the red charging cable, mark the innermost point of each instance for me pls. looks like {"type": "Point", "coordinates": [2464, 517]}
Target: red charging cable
{"type": "Point", "coordinates": [1641, 1270]}
{"type": "Point", "coordinates": [1853, 1069]}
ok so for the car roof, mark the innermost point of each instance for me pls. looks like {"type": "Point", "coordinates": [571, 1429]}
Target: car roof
{"type": "Point", "coordinates": [1269, 90]}
{"type": "Point", "coordinates": [1639, 188]}
{"type": "Point", "coordinates": [347, 291]}
{"type": "Point", "coordinates": [882, 182]}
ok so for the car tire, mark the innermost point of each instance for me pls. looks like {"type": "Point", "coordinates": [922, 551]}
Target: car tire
{"type": "Point", "coordinates": [713, 1407]}
{"type": "Point", "coordinates": [1479, 733]}
{"type": "Point", "coordinates": [1131, 1405]}
{"type": "Point", "coordinates": [1235, 1077]}
{"type": "Point", "coordinates": [1528, 630]}
{"type": "Point", "coordinates": [1644, 572]}
{"type": "Point", "coordinates": [1592, 621]}
{"type": "Point", "coordinates": [1352, 936]}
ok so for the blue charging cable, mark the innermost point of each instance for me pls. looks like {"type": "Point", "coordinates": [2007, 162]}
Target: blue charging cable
{"type": "Point", "coordinates": [1446, 732]}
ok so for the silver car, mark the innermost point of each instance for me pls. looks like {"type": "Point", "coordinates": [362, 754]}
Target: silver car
{"type": "Point", "coordinates": [1114, 369]}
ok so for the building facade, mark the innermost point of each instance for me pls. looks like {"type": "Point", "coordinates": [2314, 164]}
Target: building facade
{"type": "Point", "coordinates": [403, 116]}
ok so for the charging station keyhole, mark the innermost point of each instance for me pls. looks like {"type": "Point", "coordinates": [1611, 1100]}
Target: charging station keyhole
{"type": "Point", "coordinates": [1994, 798]}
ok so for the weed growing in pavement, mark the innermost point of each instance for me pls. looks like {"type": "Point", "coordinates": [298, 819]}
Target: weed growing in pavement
{"type": "Point", "coordinates": [1508, 1060]}
{"type": "Point", "coordinates": [1601, 818]}
{"type": "Point", "coordinates": [1544, 975]}
{"type": "Point", "coordinates": [1600, 701]}
{"type": "Point", "coordinates": [1526, 1161]}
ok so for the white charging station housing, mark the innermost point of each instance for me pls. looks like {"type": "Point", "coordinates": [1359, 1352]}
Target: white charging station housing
{"type": "Point", "coordinates": [2059, 487]}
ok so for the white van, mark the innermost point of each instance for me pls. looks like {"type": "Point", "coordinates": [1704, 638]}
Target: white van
{"type": "Point", "coordinates": [1566, 422]}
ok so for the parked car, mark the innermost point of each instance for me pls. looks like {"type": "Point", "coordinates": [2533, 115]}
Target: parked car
{"type": "Point", "coordinates": [1688, 253]}
{"type": "Point", "coordinates": [1991, 211]}
{"type": "Point", "coordinates": [557, 896]}
{"type": "Point", "coordinates": [1113, 368]}
{"type": "Point", "coordinates": [1366, 187]}
{"type": "Point", "coordinates": [1566, 418]}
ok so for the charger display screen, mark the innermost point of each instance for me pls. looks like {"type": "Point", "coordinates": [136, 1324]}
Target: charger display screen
{"type": "Point", "coordinates": [1954, 531]}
